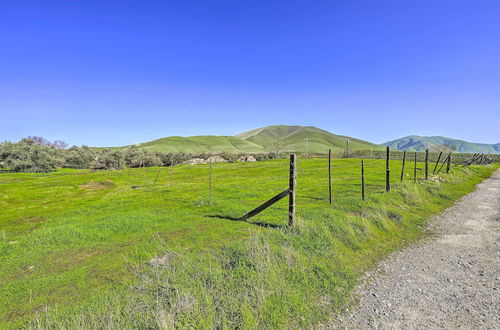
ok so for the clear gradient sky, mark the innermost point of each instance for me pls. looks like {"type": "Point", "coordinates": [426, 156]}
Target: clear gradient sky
{"type": "Point", "coordinates": [107, 73]}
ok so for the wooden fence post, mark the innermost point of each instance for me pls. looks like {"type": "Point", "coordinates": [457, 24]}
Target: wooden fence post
{"type": "Point", "coordinates": [330, 175]}
{"type": "Point", "coordinates": [437, 162]}
{"type": "Point", "coordinates": [387, 172]}
{"type": "Point", "coordinates": [156, 178]}
{"type": "Point", "coordinates": [138, 173]}
{"type": "Point", "coordinates": [145, 172]}
{"type": "Point", "coordinates": [444, 162]}
{"type": "Point", "coordinates": [289, 192]}
{"type": "Point", "coordinates": [415, 168]}
{"type": "Point", "coordinates": [307, 155]}
{"type": "Point", "coordinates": [293, 183]}
{"type": "Point", "coordinates": [210, 181]}
{"type": "Point", "coordinates": [478, 160]}
{"type": "Point", "coordinates": [166, 175]}
{"type": "Point", "coordinates": [426, 164]}
{"type": "Point", "coordinates": [362, 179]}
{"type": "Point", "coordinates": [472, 160]}
{"type": "Point", "coordinates": [171, 175]}
{"type": "Point", "coordinates": [448, 164]}
{"type": "Point", "coordinates": [403, 167]}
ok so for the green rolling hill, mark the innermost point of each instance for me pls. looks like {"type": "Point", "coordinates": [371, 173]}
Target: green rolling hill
{"type": "Point", "coordinates": [279, 138]}
{"type": "Point", "coordinates": [298, 138]}
{"type": "Point", "coordinates": [201, 144]}
{"type": "Point", "coordinates": [441, 143]}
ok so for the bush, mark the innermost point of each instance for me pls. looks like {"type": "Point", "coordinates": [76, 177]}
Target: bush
{"type": "Point", "coordinates": [35, 154]}
{"type": "Point", "coordinates": [108, 159]}
{"type": "Point", "coordinates": [135, 157]}
{"type": "Point", "coordinates": [27, 156]}
{"type": "Point", "coordinates": [172, 158]}
{"type": "Point", "coordinates": [79, 157]}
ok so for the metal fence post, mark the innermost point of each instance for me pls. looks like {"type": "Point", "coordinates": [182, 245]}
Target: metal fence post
{"type": "Point", "coordinates": [403, 168]}
{"type": "Point", "coordinates": [293, 183]}
{"type": "Point", "coordinates": [362, 179]}
{"type": "Point", "coordinates": [330, 175]}
{"type": "Point", "coordinates": [387, 172]}
{"type": "Point", "coordinates": [426, 164]}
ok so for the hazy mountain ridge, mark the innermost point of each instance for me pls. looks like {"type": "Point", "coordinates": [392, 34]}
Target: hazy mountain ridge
{"type": "Point", "coordinates": [441, 143]}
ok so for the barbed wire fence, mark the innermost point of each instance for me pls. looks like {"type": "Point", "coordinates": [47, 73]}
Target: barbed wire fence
{"type": "Point", "coordinates": [320, 184]}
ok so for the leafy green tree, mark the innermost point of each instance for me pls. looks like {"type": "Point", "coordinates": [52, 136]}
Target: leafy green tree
{"type": "Point", "coordinates": [28, 156]}
{"type": "Point", "coordinates": [79, 157]}
{"type": "Point", "coordinates": [108, 159]}
{"type": "Point", "coordinates": [135, 157]}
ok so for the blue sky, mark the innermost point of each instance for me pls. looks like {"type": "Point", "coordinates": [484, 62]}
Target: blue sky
{"type": "Point", "coordinates": [107, 73]}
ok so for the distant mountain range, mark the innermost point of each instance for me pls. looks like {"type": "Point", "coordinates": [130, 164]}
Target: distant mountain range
{"type": "Point", "coordinates": [302, 139]}
{"type": "Point", "coordinates": [441, 143]}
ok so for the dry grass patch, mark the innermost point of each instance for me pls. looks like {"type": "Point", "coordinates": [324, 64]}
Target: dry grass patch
{"type": "Point", "coordinates": [98, 185]}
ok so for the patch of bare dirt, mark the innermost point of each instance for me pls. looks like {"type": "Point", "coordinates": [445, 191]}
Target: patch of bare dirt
{"type": "Point", "coordinates": [98, 185]}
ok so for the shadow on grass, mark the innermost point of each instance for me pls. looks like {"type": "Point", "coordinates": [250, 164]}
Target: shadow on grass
{"type": "Point", "coordinates": [313, 198]}
{"type": "Point", "coordinates": [260, 224]}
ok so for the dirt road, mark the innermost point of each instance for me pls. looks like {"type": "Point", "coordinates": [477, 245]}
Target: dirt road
{"type": "Point", "coordinates": [449, 281]}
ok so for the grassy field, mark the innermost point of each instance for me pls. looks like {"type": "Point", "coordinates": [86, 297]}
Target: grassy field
{"type": "Point", "coordinates": [76, 246]}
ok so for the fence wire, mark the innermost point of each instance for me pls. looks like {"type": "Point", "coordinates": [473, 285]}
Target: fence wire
{"type": "Point", "coordinates": [234, 189]}
{"type": "Point", "coordinates": [252, 183]}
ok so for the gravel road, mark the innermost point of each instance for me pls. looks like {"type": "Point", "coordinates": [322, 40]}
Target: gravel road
{"type": "Point", "coordinates": [448, 281]}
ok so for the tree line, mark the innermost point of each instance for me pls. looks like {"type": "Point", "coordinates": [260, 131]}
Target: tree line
{"type": "Point", "coordinates": [36, 154]}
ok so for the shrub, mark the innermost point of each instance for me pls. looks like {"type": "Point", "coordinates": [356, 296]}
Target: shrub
{"type": "Point", "coordinates": [79, 157]}
{"type": "Point", "coordinates": [172, 158]}
{"type": "Point", "coordinates": [135, 157]}
{"type": "Point", "coordinates": [108, 159]}
{"type": "Point", "coordinates": [27, 156]}
{"type": "Point", "coordinates": [36, 154]}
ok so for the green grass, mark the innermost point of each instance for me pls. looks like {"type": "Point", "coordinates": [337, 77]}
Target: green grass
{"type": "Point", "coordinates": [75, 245]}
